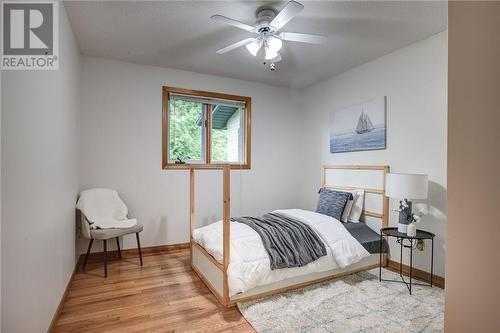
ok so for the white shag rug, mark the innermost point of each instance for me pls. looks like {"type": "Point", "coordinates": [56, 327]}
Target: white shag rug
{"type": "Point", "coordinates": [354, 303]}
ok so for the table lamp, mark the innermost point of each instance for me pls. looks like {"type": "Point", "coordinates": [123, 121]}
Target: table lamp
{"type": "Point", "coordinates": [404, 186]}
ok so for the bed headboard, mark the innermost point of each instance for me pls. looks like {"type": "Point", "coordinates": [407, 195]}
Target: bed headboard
{"type": "Point", "coordinates": [371, 178]}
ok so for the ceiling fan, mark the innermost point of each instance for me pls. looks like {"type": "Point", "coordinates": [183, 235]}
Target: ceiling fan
{"type": "Point", "coordinates": [267, 28]}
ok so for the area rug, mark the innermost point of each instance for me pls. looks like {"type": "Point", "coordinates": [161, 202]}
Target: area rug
{"type": "Point", "coordinates": [354, 303]}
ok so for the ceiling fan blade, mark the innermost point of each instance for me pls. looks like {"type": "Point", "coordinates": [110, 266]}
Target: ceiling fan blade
{"type": "Point", "coordinates": [235, 45]}
{"type": "Point", "coordinates": [303, 38]}
{"type": "Point", "coordinates": [234, 23]}
{"type": "Point", "coordinates": [291, 10]}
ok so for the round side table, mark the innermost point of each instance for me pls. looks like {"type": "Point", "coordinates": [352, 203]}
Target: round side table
{"type": "Point", "coordinates": [411, 242]}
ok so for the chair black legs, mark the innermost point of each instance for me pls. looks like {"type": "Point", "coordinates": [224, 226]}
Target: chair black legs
{"type": "Point", "coordinates": [118, 246]}
{"type": "Point", "coordinates": [105, 245]}
{"type": "Point", "coordinates": [88, 252]}
{"type": "Point", "coordinates": [105, 248]}
{"type": "Point", "coordinates": [139, 246]}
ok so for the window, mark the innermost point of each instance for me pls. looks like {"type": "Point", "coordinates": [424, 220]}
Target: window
{"type": "Point", "coordinates": [204, 129]}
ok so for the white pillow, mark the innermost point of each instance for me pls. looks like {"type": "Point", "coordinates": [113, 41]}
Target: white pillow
{"type": "Point", "coordinates": [357, 206]}
{"type": "Point", "coordinates": [348, 207]}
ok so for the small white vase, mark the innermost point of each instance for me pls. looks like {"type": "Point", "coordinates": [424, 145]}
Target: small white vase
{"type": "Point", "coordinates": [402, 228]}
{"type": "Point", "coordinates": [411, 230]}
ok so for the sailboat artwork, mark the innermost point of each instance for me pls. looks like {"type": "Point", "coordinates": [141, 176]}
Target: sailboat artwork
{"type": "Point", "coordinates": [359, 127]}
{"type": "Point", "coordinates": [364, 124]}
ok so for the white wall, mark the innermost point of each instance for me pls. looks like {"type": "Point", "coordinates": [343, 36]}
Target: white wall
{"type": "Point", "coordinates": [414, 80]}
{"type": "Point", "coordinates": [39, 184]}
{"type": "Point", "coordinates": [121, 148]}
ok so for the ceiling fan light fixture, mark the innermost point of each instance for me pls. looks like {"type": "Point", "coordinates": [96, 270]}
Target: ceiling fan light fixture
{"type": "Point", "coordinates": [254, 47]}
{"type": "Point", "coordinates": [267, 32]}
{"type": "Point", "coordinates": [274, 44]}
{"type": "Point", "coordinates": [277, 58]}
{"type": "Point", "coordinates": [270, 54]}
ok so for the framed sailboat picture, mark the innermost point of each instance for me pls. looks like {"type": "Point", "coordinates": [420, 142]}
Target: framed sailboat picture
{"type": "Point", "coordinates": [359, 127]}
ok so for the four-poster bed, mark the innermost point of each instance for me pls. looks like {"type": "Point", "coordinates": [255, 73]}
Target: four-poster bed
{"type": "Point", "coordinates": [214, 273]}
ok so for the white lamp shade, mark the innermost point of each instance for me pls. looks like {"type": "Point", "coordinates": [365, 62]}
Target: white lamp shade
{"type": "Point", "coordinates": [406, 186]}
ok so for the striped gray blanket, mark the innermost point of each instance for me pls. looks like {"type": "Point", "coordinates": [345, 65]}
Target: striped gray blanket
{"type": "Point", "coordinates": [288, 242]}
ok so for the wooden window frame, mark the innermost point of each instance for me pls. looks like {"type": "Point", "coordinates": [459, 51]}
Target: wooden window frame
{"type": "Point", "coordinates": [166, 164]}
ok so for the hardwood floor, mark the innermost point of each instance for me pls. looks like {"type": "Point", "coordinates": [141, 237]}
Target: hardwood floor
{"type": "Point", "coordinates": [164, 296]}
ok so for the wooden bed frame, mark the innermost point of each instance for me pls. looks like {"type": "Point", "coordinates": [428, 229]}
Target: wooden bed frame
{"type": "Point", "coordinates": [214, 274]}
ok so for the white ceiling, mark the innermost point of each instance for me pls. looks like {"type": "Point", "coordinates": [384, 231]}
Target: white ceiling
{"type": "Point", "coordinates": [181, 35]}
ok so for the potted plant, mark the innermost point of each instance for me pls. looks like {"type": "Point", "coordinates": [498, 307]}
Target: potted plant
{"type": "Point", "coordinates": [410, 217]}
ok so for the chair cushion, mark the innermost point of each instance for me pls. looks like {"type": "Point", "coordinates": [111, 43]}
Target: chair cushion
{"type": "Point", "coordinates": [112, 233]}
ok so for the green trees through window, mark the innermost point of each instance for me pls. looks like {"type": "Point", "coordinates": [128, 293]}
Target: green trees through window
{"type": "Point", "coordinates": [187, 133]}
{"type": "Point", "coordinates": [205, 129]}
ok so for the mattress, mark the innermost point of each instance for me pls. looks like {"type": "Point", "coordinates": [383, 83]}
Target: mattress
{"type": "Point", "coordinates": [367, 237]}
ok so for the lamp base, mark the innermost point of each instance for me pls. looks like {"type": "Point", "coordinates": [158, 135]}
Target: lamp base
{"type": "Point", "coordinates": [402, 228]}
{"type": "Point", "coordinates": [405, 211]}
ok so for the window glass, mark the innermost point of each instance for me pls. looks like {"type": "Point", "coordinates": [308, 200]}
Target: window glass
{"type": "Point", "coordinates": [186, 131]}
{"type": "Point", "coordinates": [204, 128]}
{"type": "Point", "coordinates": [227, 134]}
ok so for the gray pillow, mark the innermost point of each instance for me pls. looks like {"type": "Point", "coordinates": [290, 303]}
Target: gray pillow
{"type": "Point", "coordinates": [332, 203]}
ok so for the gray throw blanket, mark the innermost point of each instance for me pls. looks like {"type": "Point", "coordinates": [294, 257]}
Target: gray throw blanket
{"type": "Point", "coordinates": [288, 242]}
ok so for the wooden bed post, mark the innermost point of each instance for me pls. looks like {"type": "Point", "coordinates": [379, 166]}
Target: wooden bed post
{"type": "Point", "coordinates": [226, 230]}
{"type": "Point", "coordinates": [385, 219]}
{"type": "Point", "coordinates": [191, 211]}
{"type": "Point", "coordinates": [323, 177]}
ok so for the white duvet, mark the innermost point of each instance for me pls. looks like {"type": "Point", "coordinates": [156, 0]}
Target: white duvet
{"type": "Point", "coordinates": [249, 265]}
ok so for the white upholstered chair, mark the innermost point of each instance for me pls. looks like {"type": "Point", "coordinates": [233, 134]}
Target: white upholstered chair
{"type": "Point", "coordinates": [103, 207]}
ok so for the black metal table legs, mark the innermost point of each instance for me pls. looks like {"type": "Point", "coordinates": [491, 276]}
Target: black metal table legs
{"type": "Point", "coordinates": [432, 260]}
{"type": "Point", "coordinates": [409, 284]}
{"type": "Point", "coordinates": [380, 258]}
